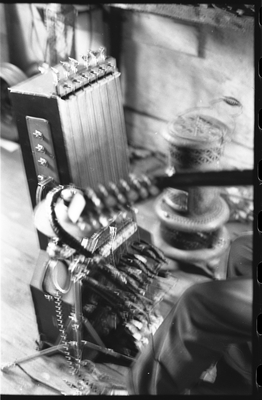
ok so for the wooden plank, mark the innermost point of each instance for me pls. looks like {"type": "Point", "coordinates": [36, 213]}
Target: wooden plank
{"type": "Point", "coordinates": [18, 264]}
{"type": "Point", "coordinates": [200, 13]}
{"type": "Point", "coordinates": [143, 29]}
{"type": "Point", "coordinates": [165, 84]}
{"type": "Point", "coordinates": [19, 237]}
{"type": "Point", "coordinates": [145, 131]}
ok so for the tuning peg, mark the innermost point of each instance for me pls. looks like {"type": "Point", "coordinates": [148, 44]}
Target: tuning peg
{"type": "Point", "coordinates": [116, 192]}
{"type": "Point", "coordinates": [73, 61]}
{"type": "Point", "coordinates": [108, 200]}
{"type": "Point", "coordinates": [85, 60]}
{"type": "Point", "coordinates": [94, 221]}
{"type": "Point", "coordinates": [129, 193]}
{"type": "Point", "coordinates": [101, 56]}
{"type": "Point", "coordinates": [93, 59]}
{"type": "Point", "coordinates": [85, 225]}
{"type": "Point", "coordinates": [67, 68]}
{"type": "Point", "coordinates": [153, 189]}
{"type": "Point", "coordinates": [134, 182]}
{"type": "Point", "coordinates": [54, 248]}
{"type": "Point", "coordinates": [73, 64]}
{"type": "Point", "coordinates": [103, 220]}
{"type": "Point", "coordinates": [91, 194]}
{"type": "Point", "coordinates": [56, 76]}
{"type": "Point", "coordinates": [110, 66]}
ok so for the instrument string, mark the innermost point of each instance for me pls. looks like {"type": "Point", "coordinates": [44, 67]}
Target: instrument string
{"type": "Point", "coordinates": [121, 136]}
{"type": "Point", "coordinates": [100, 132]}
{"type": "Point", "coordinates": [78, 140]}
{"type": "Point", "coordinates": [108, 139]}
{"type": "Point", "coordinates": [116, 129]}
{"type": "Point", "coordinates": [83, 105]}
{"type": "Point", "coordinates": [70, 140]}
{"type": "Point", "coordinates": [105, 169]}
{"type": "Point", "coordinates": [87, 143]}
{"type": "Point", "coordinates": [91, 157]}
{"type": "Point", "coordinates": [118, 132]}
{"type": "Point", "coordinates": [110, 133]}
{"type": "Point", "coordinates": [98, 138]}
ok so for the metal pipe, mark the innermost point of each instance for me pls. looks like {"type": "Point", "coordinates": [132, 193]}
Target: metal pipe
{"type": "Point", "coordinates": [218, 178]}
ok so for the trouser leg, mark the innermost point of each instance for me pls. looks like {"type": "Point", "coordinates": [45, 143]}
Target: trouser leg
{"type": "Point", "coordinates": [206, 320]}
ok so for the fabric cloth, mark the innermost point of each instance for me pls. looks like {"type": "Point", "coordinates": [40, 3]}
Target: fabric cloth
{"type": "Point", "coordinates": [210, 325]}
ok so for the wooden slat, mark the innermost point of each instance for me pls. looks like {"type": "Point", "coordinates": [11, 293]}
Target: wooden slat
{"type": "Point", "coordinates": [160, 79]}
{"type": "Point", "coordinates": [188, 13]}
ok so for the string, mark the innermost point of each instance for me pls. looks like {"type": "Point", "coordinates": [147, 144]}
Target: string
{"type": "Point", "coordinates": [147, 315]}
{"type": "Point", "coordinates": [104, 143]}
{"type": "Point", "coordinates": [84, 133]}
{"type": "Point", "coordinates": [98, 172]}
{"type": "Point", "coordinates": [90, 132]}
{"type": "Point", "coordinates": [109, 133]}
{"type": "Point", "coordinates": [78, 138]}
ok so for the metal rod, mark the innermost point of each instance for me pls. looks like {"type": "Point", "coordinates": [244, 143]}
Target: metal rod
{"type": "Point", "coordinates": [93, 332]}
{"type": "Point", "coordinates": [106, 350]}
{"type": "Point", "coordinates": [32, 357]}
{"type": "Point", "coordinates": [212, 178]}
{"type": "Point", "coordinates": [77, 324]}
{"type": "Point", "coordinates": [60, 347]}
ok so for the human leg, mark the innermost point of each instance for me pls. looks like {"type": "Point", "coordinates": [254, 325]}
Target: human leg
{"type": "Point", "coordinates": [208, 317]}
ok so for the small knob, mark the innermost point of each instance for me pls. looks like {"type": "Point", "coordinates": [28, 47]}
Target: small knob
{"type": "Point", "coordinates": [92, 58]}
{"type": "Point", "coordinates": [42, 161]}
{"type": "Point", "coordinates": [101, 54]}
{"type": "Point", "coordinates": [73, 64]}
{"type": "Point", "coordinates": [40, 148]}
{"type": "Point", "coordinates": [37, 134]}
{"type": "Point", "coordinates": [40, 178]}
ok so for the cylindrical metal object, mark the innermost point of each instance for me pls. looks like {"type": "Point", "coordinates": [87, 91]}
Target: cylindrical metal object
{"type": "Point", "coordinates": [191, 221]}
{"type": "Point", "coordinates": [196, 145]}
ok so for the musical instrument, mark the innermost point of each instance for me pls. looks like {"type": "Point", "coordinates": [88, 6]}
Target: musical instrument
{"type": "Point", "coordinates": [71, 125]}
{"type": "Point", "coordinates": [115, 266]}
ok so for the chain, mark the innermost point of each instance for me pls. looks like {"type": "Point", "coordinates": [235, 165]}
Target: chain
{"type": "Point", "coordinates": [63, 335]}
{"type": "Point", "coordinates": [83, 386]}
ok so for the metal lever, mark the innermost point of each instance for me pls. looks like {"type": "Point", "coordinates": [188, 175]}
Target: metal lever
{"type": "Point", "coordinates": [43, 185]}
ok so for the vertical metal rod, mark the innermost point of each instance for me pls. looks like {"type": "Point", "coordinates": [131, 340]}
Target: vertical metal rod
{"type": "Point", "coordinates": [34, 356]}
{"type": "Point", "coordinates": [77, 327]}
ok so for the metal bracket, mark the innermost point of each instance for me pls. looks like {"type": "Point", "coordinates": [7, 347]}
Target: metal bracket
{"type": "Point", "coordinates": [42, 148]}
